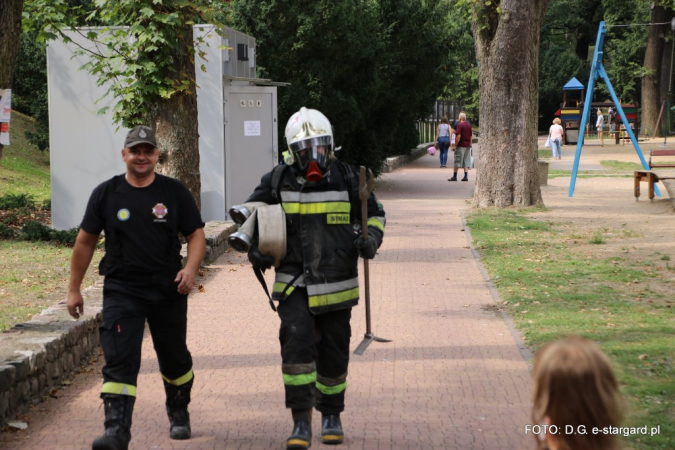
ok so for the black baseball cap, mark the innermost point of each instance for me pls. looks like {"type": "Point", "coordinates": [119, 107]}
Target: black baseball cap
{"type": "Point", "coordinates": [140, 135]}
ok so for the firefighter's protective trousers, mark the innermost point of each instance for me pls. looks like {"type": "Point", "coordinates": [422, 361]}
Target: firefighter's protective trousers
{"type": "Point", "coordinates": [315, 354]}
{"type": "Point", "coordinates": [127, 304]}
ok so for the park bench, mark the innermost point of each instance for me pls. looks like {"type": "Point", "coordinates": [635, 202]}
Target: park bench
{"type": "Point", "coordinates": [652, 177]}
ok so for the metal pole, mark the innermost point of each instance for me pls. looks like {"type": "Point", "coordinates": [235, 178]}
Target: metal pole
{"type": "Point", "coordinates": [670, 85]}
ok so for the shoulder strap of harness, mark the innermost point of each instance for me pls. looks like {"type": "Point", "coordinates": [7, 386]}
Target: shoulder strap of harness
{"type": "Point", "coordinates": [350, 175]}
{"type": "Point", "coordinates": [112, 250]}
{"type": "Point", "coordinates": [277, 175]}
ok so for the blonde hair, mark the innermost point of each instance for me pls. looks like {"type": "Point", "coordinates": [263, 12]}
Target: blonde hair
{"type": "Point", "coordinates": [557, 121]}
{"type": "Point", "coordinates": [574, 385]}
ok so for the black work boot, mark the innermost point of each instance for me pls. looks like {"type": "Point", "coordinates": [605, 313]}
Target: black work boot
{"type": "Point", "coordinates": [331, 429]}
{"type": "Point", "coordinates": [118, 412]}
{"type": "Point", "coordinates": [466, 177]}
{"type": "Point", "coordinates": [301, 436]}
{"type": "Point", "coordinates": [177, 400]}
{"type": "Point", "coordinates": [454, 177]}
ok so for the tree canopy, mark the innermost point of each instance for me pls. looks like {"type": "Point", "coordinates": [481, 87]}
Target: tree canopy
{"type": "Point", "coordinates": [373, 67]}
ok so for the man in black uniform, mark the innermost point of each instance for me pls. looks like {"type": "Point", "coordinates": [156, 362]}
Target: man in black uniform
{"type": "Point", "coordinates": [317, 282]}
{"type": "Point", "coordinates": [142, 213]}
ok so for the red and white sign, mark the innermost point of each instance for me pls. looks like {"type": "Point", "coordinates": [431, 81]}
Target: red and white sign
{"type": "Point", "coordinates": [6, 105]}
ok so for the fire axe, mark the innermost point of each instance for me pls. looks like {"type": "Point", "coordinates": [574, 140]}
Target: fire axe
{"type": "Point", "coordinates": [365, 188]}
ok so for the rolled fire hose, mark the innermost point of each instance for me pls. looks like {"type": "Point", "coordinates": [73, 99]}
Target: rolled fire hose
{"type": "Point", "coordinates": [239, 213]}
{"type": "Point", "coordinates": [271, 223]}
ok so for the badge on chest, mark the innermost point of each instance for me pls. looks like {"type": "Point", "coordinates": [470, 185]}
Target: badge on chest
{"type": "Point", "coordinates": [160, 211]}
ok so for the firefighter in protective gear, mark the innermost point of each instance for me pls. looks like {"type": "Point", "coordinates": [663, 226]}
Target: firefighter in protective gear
{"type": "Point", "coordinates": [142, 213]}
{"type": "Point", "coordinates": [316, 284]}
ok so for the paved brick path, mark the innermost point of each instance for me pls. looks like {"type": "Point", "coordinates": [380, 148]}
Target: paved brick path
{"type": "Point", "coordinates": [452, 379]}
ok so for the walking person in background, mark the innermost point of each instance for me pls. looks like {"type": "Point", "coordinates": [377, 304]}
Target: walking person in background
{"type": "Point", "coordinates": [463, 136]}
{"type": "Point", "coordinates": [555, 134]}
{"type": "Point", "coordinates": [443, 131]}
{"type": "Point", "coordinates": [574, 386]}
{"type": "Point", "coordinates": [456, 122]}
{"type": "Point", "coordinates": [600, 125]}
{"type": "Point", "coordinates": [610, 121]}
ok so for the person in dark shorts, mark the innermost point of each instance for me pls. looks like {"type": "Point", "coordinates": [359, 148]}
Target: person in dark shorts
{"type": "Point", "coordinates": [463, 137]}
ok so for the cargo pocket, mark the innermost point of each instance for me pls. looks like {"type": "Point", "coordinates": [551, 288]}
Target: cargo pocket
{"type": "Point", "coordinates": [107, 333]}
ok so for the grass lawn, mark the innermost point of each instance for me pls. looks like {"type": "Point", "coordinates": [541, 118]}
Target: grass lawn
{"type": "Point", "coordinates": [23, 168]}
{"type": "Point", "coordinates": [552, 285]}
{"type": "Point", "coordinates": [34, 276]}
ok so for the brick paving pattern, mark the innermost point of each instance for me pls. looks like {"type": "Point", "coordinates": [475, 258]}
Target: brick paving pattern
{"type": "Point", "coordinates": [452, 379]}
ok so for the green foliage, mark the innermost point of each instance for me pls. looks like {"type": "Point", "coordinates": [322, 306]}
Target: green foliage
{"type": "Point", "coordinates": [35, 231]}
{"type": "Point", "coordinates": [625, 48]}
{"type": "Point", "coordinates": [6, 232]}
{"type": "Point", "coordinates": [138, 63]}
{"type": "Point", "coordinates": [372, 67]}
{"type": "Point", "coordinates": [462, 66]}
{"type": "Point", "coordinates": [29, 93]}
{"type": "Point", "coordinates": [597, 238]}
{"type": "Point", "coordinates": [568, 38]}
{"type": "Point", "coordinates": [64, 237]}
{"type": "Point", "coordinates": [15, 201]}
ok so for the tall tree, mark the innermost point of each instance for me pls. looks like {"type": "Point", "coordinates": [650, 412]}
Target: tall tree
{"type": "Point", "coordinates": [654, 57]}
{"type": "Point", "coordinates": [10, 32]}
{"type": "Point", "coordinates": [148, 65]}
{"type": "Point", "coordinates": [352, 60]}
{"type": "Point", "coordinates": [507, 34]}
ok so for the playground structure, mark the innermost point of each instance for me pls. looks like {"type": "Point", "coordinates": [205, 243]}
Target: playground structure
{"type": "Point", "coordinates": [598, 71]}
{"type": "Point", "coordinates": [570, 115]}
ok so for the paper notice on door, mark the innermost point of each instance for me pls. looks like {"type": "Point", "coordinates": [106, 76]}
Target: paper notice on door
{"type": "Point", "coordinates": [251, 128]}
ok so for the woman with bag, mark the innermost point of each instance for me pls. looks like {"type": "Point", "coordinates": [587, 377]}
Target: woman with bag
{"type": "Point", "coordinates": [555, 137]}
{"type": "Point", "coordinates": [443, 140]}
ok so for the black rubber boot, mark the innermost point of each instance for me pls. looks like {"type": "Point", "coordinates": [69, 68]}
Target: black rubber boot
{"type": "Point", "coordinates": [118, 412]}
{"type": "Point", "coordinates": [301, 436]}
{"type": "Point", "coordinates": [466, 177]}
{"type": "Point", "coordinates": [454, 177]}
{"type": "Point", "coordinates": [177, 400]}
{"type": "Point", "coordinates": [331, 429]}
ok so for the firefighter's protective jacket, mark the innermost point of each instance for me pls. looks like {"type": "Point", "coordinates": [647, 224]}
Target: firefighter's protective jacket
{"type": "Point", "coordinates": [322, 223]}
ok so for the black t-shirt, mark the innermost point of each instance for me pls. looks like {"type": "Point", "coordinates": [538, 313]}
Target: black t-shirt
{"type": "Point", "coordinates": [142, 224]}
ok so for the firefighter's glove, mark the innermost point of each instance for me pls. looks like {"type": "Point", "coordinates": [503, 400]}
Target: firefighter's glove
{"type": "Point", "coordinates": [258, 260]}
{"type": "Point", "coordinates": [367, 246]}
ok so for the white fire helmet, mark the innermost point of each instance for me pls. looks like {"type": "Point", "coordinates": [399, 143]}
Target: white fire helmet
{"type": "Point", "coordinates": [309, 136]}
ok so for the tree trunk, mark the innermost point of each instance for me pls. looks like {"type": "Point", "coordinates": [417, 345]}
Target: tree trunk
{"type": "Point", "coordinates": [10, 31]}
{"type": "Point", "coordinates": [654, 54]}
{"type": "Point", "coordinates": [507, 45]}
{"type": "Point", "coordinates": [175, 122]}
{"type": "Point", "coordinates": [665, 80]}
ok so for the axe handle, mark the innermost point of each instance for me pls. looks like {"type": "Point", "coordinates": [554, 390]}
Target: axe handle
{"type": "Point", "coordinates": [364, 195]}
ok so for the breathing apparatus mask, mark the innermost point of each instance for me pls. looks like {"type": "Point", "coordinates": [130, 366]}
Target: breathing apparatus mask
{"type": "Point", "coordinates": [309, 136]}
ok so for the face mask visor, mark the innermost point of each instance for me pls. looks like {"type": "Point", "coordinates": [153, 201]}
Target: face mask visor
{"type": "Point", "coordinates": [313, 149]}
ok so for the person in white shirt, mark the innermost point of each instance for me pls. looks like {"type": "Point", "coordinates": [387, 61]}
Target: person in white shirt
{"type": "Point", "coordinates": [555, 134]}
{"type": "Point", "coordinates": [600, 125]}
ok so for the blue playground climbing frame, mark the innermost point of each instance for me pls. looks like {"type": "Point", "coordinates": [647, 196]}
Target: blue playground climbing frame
{"type": "Point", "coordinates": [598, 71]}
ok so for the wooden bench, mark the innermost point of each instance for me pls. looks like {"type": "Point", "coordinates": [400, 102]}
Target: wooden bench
{"type": "Point", "coordinates": [652, 177]}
